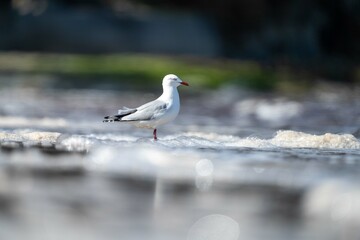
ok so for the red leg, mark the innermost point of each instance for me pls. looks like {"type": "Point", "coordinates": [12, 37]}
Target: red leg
{"type": "Point", "coordinates": [155, 137]}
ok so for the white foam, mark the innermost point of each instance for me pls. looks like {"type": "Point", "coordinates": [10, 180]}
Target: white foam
{"type": "Point", "coordinates": [293, 139]}
{"type": "Point", "coordinates": [30, 136]}
{"type": "Point", "coordinates": [282, 139]}
{"type": "Point", "coordinates": [75, 144]}
{"type": "Point", "coordinates": [113, 137]}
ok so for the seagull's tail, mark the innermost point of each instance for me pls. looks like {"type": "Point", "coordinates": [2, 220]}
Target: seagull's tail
{"type": "Point", "coordinates": [112, 119]}
{"type": "Point", "coordinates": [121, 113]}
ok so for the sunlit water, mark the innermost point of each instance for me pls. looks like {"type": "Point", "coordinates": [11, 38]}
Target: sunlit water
{"type": "Point", "coordinates": [234, 165]}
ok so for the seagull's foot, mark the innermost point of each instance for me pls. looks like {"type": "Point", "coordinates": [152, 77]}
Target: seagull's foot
{"type": "Point", "coordinates": [154, 133]}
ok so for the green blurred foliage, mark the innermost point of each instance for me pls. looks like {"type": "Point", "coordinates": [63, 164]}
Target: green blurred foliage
{"type": "Point", "coordinates": [142, 69]}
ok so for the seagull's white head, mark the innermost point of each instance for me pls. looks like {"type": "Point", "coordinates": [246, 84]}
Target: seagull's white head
{"type": "Point", "coordinates": [172, 80]}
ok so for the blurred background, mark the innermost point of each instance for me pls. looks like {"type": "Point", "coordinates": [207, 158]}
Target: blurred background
{"type": "Point", "coordinates": [267, 42]}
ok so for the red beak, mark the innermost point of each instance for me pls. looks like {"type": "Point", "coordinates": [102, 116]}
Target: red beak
{"type": "Point", "coordinates": [184, 83]}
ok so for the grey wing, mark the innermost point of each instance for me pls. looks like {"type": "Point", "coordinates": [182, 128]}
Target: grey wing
{"type": "Point", "coordinates": [148, 111]}
{"type": "Point", "coordinates": [121, 113]}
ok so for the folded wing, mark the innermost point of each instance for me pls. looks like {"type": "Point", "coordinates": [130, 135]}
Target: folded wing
{"type": "Point", "coordinates": [148, 111]}
{"type": "Point", "coordinates": [121, 113]}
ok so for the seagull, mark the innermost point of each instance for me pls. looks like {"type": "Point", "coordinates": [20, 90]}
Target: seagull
{"type": "Point", "coordinates": [155, 113]}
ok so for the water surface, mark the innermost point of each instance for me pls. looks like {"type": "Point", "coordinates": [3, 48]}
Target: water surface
{"type": "Point", "coordinates": [234, 165]}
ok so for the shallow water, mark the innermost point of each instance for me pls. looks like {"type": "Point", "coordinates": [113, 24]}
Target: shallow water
{"type": "Point", "coordinates": [234, 165]}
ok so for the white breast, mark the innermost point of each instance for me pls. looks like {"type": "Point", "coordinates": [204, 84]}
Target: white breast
{"type": "Point", "coordinates": [172, 110]}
